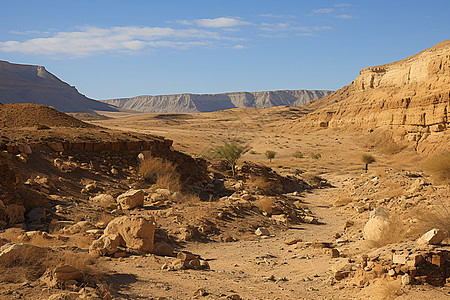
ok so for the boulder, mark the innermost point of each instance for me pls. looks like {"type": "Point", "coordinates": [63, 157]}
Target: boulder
{"type": "Point", "coordinates": [131, 199]}
{"type": "Point", "coordinates": [163, 249]}
{"type": "Point", "coordinates": [106, 245]}
{"type": "Point", "coordinates": [81, 226]}
{"type": "Point", "coordinates": [105, 201]}
{"type": "Point", "coordinates": [432, 237]}
{"type": "Point", "coordinates": [25, 148]}
{"type": "Point", "coordinates": [13, 252]}
{"type": "Point", "coordinates": [378, 222]}
{"type": "Point", "coordinates": [137, 232]}
{"type": "Point", "coordinates": [62, 275]}
{"type": "Point", "coordinates": [37, 214]}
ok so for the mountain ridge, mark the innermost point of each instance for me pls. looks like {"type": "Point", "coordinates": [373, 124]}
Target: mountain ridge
{"type": "Point", "coordinates": [34, 84]}
{"type": "Point", "coordinates": [193, 103]}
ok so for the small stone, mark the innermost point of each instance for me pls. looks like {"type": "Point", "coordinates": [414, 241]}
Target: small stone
{"type": "Point", "coordinates": [399, 259]}
{"type": "Point", "coordinates": [262, 231]}
{"type": "Point", "coordinates": [292, 242]}
{"type": "Point", "coordinates": [406, 279]}
{"type": "Point", "coordinates": [334, 253]}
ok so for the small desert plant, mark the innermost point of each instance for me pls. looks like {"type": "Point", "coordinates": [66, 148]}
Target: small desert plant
{"type": "Point", "coordinates": [367, 159]}
{"type": "Point", "coordinates": [265, 204]}
{"type": "Point", "coordinates": [439, 167]}
{"type": "Point", "coordinates": [162, 173]}
{"type": "Point", "coordinates": [270, 155]}
{"type": "Point", "coordinates": [231, 152]}
{"type": "Point", "coordinates": [390, 289]}
{"type": "Point", "coordinates": [315, 155]}
{"type": "Point", "coordinates": [297, 154]}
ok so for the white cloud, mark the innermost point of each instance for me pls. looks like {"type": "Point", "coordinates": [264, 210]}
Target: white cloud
{"type": "Point", "coordinates": [277, 16]}
{"type": "Point", "coordinates": [342, 5]}
{"type": "Point", "coordinates": [222, 22]}
{"type": "Point", "coordinates": [238, 47]}
{"type": "Point", "coordinates": [345, 16]}
{"type": "Point", "coordinates": [323, 10]}
{"type": "Point", "coordinates": [290, 27]}
{"type": "Point", "coordinates": [92, 40]}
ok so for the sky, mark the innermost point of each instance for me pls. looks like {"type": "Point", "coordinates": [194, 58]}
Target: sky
{"type": "Point", "coordinates": [114, 49]}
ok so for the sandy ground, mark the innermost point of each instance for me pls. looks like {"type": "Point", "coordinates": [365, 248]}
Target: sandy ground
{"type": "Point", "coordinates": [264, 268]}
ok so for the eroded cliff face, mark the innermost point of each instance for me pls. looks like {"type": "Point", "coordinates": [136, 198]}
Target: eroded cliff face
{"type": "Point", "coordinates": [410, 97]}
{"type": "Point", "coordinates": [34, 84]}
{"type": "Point", "coordinates": [193, 103]}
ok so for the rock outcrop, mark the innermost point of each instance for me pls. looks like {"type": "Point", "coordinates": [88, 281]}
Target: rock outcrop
{"type": "Point", "coordinates": [193, 103]}
{"type": "Point", "coordinates": [410, 96]}
{"type": "Point", "coordinates": [34, 84]}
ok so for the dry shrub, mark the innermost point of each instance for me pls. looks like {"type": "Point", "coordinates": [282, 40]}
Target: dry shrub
{"type": "Point", "coordinates": [437, 217]}
{"type": "Point", "coordinates": [390, 289]}
{"type": "Point", "coordinates": [32, 265]}
{"type": "Point", "coordinates": [395, 232]}
{"type": "Point", "coordinates": [162, 173]}
{"type": "Point", "coordinates": [264, 204]}
{"type": "Point", "coordinates": [267, 186]}
{"type": "Point", "coordinates": [439, 167]}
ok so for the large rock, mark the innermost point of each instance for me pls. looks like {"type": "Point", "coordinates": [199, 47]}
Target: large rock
{"type": "Point", "coordinates": [137, 232]}
{"type": "Point", "coordinates": [432, 237]}
{"type": "Point", "coordinates": [378, 222]}
{"type": "Point", "coordinates": [106, 245]}
{"type": "Point", "coordinates": [12, 252]}
{"type": "Point", "coordinates": [105, 201]}
{"type": "Point", "coordinates": [131, 199]}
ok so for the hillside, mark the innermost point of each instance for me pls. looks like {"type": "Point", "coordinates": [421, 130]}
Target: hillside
{"type": "Point", "coordinates": [34, 84]}
{"type": "Point", "coordinates": [409, 98]}
{"type": "Point", "coordinates": [192, 103]}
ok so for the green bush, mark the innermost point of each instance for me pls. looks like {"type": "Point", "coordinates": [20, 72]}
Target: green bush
{"type": "Point", "coordinates": [270, 155]}
{"type": "Point", "coordinates": [368, 159]}
{"type": "Point", "coordinates": [231, 152]}
{"type": "Point", "coordinates": [316, 155]}
{"type": "Point", "coordinates": [297, 154]}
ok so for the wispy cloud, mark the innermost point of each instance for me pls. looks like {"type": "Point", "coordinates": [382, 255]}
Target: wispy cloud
{"type": "Point", "coordinates": [345, 16]}
{"type": "Point", "coordinates": [342, 5]}
{"type": "Point", "coordinates": [283, 28]}
{"type": "Point", "coordinates": [223, 32]}
{"type": "Point", "coordinates": [92, 40]}
{"type": "Point", "coordinates": [323, 10]}
{"type": "Point", "coordinates": [277, 16]}
{"type": "Point", "coordinates": [223, 22]}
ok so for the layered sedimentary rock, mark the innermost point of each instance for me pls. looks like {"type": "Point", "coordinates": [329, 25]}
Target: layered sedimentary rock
{"type": "Point", "coordinates": [34, 84]}
{"type": "Point", "coordinates": [192, 103]}
{"type": "Point", "coordinates": [410, 97]}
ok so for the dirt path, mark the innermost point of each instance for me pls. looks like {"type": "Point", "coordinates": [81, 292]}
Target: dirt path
{"type": "Point", "coordinates": [264, 268]}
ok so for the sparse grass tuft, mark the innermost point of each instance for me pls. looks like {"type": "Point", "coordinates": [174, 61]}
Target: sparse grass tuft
{"type": "Point", "coordinates": [439, 167]}
{"type": "Point", "coordinates": [297, 154]}
{"type": "Point", "coordinates": [391, 289]}
{"type": "Point", "coordinates": [161, 172]}
{"type": "Point", "coordinates": [315, 155]}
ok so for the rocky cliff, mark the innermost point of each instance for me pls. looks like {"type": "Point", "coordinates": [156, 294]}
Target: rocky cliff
{"type": "Point", "coordinates": [34, 84]}
{"type": "Point", "coordinates": [409, 97]}
{"type": "Point", "coordinates": [191, 103]}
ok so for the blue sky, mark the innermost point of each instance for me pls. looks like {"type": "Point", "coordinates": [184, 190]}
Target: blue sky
{"type": "Point", "coordinates": [112, 49]}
